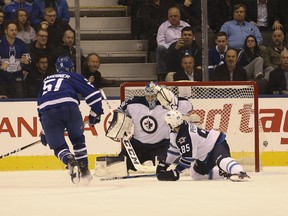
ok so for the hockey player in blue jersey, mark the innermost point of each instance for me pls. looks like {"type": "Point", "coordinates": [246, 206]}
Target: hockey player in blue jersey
{"type": "Point", "coordinates": [58, 110]}
{"type": "Point", "coordinates": [206, 149]}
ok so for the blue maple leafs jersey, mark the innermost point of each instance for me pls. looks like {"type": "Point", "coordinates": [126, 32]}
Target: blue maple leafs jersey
{"type": "Point", "coordinates": [63, 89]}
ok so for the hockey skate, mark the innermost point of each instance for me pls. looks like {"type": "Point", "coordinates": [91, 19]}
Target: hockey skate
{"type": "Point", "coordinates": [225, 175]}
{"type": "Point", "coordinates": [240, 177]}
{"type": "Point", "coordinates": [73, 169]}
{"type": "Point", "coordinates": [85, 172]}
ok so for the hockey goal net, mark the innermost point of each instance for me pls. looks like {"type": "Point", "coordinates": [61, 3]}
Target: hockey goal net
{"type": "Point", "coordinates": [230, 107]}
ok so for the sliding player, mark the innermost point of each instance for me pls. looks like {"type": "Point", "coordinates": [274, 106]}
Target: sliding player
{"type": "Point", "coordinates": [206, 149]}
{"type": "Point", "coordinates": [151, 133]}
{"type": "Point", "coordinates": [58, 110]}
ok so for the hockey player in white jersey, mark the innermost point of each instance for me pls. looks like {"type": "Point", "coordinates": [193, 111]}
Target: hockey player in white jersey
{"type": "Point", "coordinates": [151, 133]}
{"type": "Point", "coordinates": [206, 149]}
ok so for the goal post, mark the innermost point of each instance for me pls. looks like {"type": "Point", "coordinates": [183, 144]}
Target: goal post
{"type": "Point", "coordinates": [230, 107]}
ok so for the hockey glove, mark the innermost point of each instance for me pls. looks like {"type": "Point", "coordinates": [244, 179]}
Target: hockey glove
{"type": "Point", "coordinates": [93, 118]}
{"type": "Point", "coordinates": [171, 175]}
{"type": "Point", "coordinates": [43, 138]}
{"type": "Point", "coordinates": [162, 167]}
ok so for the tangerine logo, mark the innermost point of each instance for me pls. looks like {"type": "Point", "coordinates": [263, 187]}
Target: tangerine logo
{"type": "Point", "coordinates": [148, 124]}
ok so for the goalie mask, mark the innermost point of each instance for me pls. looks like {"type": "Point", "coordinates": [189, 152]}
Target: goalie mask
{"type": "Point", "coordinates": [174, 119]}
{"type": "Point", "coordinates": [151, 96]}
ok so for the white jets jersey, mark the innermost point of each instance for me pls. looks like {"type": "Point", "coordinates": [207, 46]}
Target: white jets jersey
{"type": "Point", "coordinates": [192, 143]}
{"type": "Point", "coordinates": [149, 124]}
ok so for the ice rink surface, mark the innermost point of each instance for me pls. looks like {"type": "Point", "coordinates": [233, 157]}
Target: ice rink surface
{"type": "Point", "coordinates": [41, 193]}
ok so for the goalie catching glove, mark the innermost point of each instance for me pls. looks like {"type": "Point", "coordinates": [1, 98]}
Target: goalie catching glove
{"type": "Point", "coordinates": [166, 98]}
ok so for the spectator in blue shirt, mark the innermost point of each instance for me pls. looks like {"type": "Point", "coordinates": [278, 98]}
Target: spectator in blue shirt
{"type": "Point", "coordinates": [11, 8]}
{"type": "Point", "coordinates": [238, 29]}
{"type": "Point", "coordinates": [15, 63]}
{"type": "Point", "coordinates": [60, 6]}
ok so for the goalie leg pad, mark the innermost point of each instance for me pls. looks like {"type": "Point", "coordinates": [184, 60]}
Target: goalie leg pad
{"type": "Point", "coordinates": [121, 124]}
{"type": "Point", "coordinates": [110, 166]}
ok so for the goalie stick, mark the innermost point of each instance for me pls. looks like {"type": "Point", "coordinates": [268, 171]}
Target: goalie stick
{"type": "Point", "coordinates": [127, 177]}
{"type": "Point", "coordinates": [20, 149]}
{"type": "Point", "coordinates": [133, 157]}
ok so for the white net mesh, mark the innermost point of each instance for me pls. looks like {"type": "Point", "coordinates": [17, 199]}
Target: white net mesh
{"type": "Point", "coordinates": [226, 106]}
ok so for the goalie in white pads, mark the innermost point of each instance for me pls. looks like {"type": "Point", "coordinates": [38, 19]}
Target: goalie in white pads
{"type": "Point", "coordinates": [151, 133]}
{"type": "Point", "coordinates": [206, 149]}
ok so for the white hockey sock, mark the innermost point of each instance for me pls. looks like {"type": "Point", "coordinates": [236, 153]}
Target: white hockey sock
{"type": "Point", "coordinates": [215, 174]}
{"type": "Point", "coordinates": [230, 166]}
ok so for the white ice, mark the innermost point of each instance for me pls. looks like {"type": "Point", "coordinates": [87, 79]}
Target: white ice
{"type": "Point", "coordinates": [42, 193]}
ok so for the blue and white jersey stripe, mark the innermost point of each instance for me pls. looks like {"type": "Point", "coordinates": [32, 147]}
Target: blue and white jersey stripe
{"type": "Point", "coordinates": [63, 89]}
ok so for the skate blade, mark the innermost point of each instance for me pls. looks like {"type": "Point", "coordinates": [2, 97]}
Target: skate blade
{"type": "Point", "coordinates": [75, 175]}
{"type": "Point", "coordinates": [236, 178]}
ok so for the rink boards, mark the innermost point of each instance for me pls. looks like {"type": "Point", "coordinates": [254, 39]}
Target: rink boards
{"type": "Point", "coordinates": [19, 126]}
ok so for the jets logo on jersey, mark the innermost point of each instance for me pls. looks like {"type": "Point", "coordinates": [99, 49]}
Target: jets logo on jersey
{"type": "Point", "coordinates": [148, 124]}
{"type": "Point", "coordinates": [182, 140]}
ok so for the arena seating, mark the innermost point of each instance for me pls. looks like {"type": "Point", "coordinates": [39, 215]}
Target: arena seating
{"type": "Point", "coordinates": [105, 28]}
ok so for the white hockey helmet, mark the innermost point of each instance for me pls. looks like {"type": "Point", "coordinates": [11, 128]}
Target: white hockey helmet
{"type": "Point", "coordinates": [173, 118]}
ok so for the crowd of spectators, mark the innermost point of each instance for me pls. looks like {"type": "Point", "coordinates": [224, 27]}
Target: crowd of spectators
{"type": "Point", "coordinates": [34, 33]}
{"type": "Point", "coordinates": [30, 32]}
{"type": "Point", "coordinates": [252, 31]}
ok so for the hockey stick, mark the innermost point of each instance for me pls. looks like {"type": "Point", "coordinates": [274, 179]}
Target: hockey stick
{"type": "Point", "coordinates": [195, 119]}
{"type": "Point", "coordinates": [106, 100]}
{"type": "Point", "coordinates": [20, 149]}
{"type": "Point", "coordinates": [24, 147]}
{"type": "Point", "coordinates": [127, 177]}
{"type": "Point", "coordinates": [133, 157]}
{"type": "Point", "coordinates": [27, 146]}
